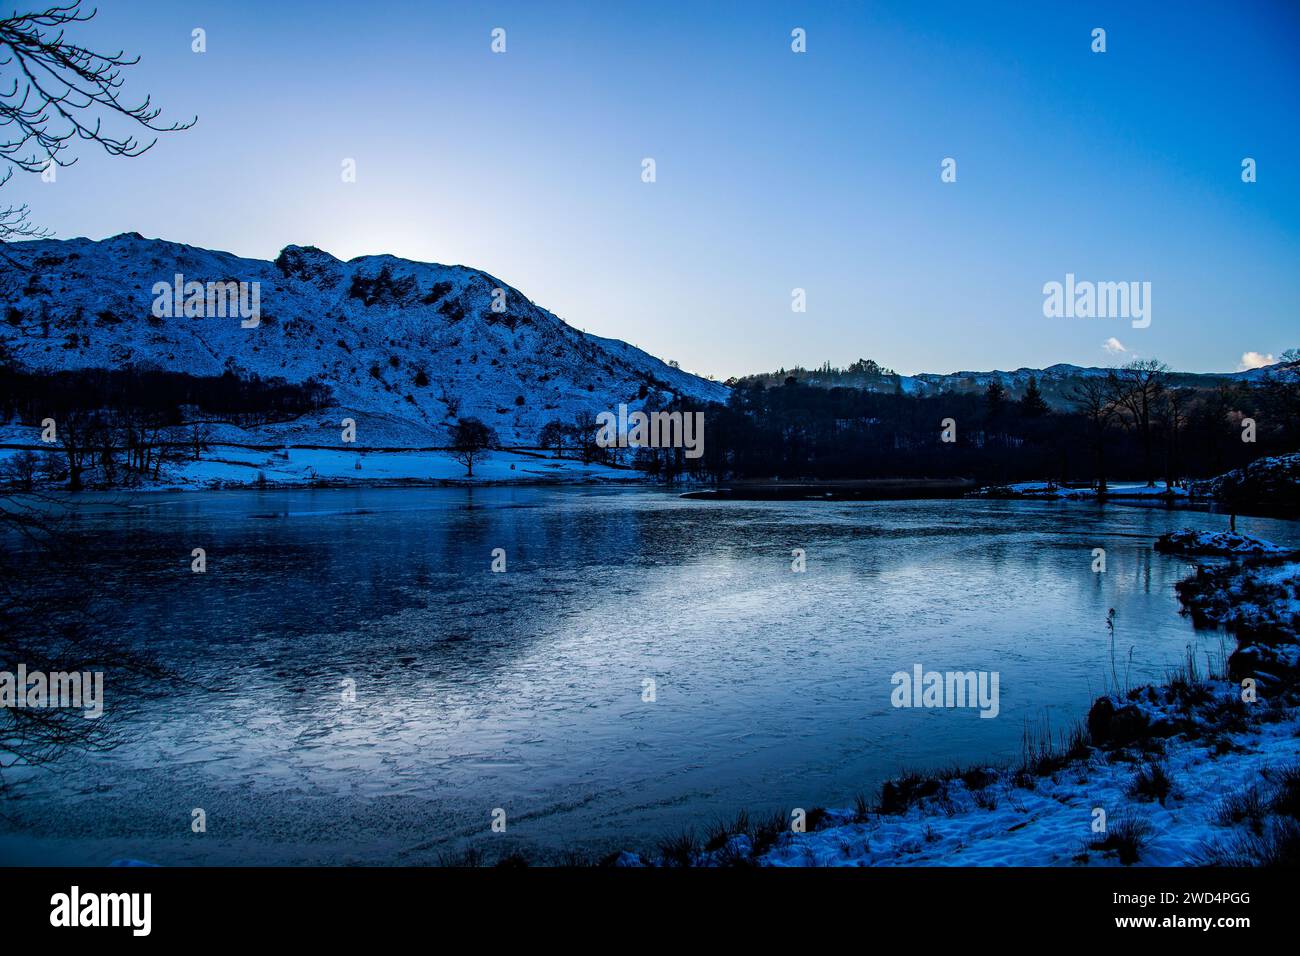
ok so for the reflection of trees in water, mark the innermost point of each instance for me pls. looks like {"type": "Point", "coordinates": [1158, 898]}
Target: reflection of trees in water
{"type": "Point", "coordinates": [52, 621]}
{"type": "Point", "coordinates": [59, 93]}
{"type": "Point", "coordinates": [292, 602]}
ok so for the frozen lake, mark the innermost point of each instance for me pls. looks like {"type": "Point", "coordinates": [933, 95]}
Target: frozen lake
{"type": "Point", "coordinates": [523, 690]}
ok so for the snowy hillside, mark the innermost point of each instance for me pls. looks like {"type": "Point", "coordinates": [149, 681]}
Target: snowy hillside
{"type": "Point", "coordinates": [404, 347]}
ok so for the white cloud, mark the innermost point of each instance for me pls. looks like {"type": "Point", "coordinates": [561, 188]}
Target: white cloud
{"type": "Point", "coordinates": [1251, 360]}
{"type": "Point", "coordinates": [1114, 346]}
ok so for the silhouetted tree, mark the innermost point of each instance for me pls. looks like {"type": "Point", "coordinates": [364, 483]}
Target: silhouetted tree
{"type": "Point", "coordinates": [198, 436]}
{"type": "Point", "coordinates": [583, 433]}
{"type": "Point", "coordinates": [54, 91]}
{"type": "Point", "coordinates": [1032, 404]}
{"type": "Point", "coordinates": [1135, 389]}
{"type": "Point", "coordinates": [470, 442]}
{"type": "Point", "coordinates": [1092, 397]}
{"type": "Point", "coordinates": [552, 436]}
{"type": "Point", "coordinates": [21, 469]}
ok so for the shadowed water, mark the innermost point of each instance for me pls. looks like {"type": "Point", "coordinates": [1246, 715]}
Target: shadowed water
{"type": "Point", "coordinates": [477, 690]}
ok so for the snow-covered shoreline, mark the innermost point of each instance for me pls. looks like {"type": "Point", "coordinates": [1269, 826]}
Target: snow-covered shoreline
{"type": "Point", "coordinates": [1221, 543]}
{"type": "Point", "coordinates": [1052, 491]}
{"type": "Point", "coordinates": [1271, 482]}
{"type": "Point", "coordinates": [1203, 770]}
{"type": "Point", "coordinates": [1016, 817]}
{"type": "Point", "coordinates": [226, 467]}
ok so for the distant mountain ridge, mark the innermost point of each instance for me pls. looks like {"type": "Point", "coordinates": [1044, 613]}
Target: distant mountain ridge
{"type": "Point", "coordinates": [407, 346]}
{"type": "Point", "coordinates": [1055, 382]}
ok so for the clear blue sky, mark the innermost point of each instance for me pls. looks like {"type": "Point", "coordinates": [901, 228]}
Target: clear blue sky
{"type": "Point", "coordinates": [775, 170]}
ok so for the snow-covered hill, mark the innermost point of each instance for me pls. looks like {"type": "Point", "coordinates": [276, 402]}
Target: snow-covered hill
{"type": "Point", "coordinates": [405, 347]}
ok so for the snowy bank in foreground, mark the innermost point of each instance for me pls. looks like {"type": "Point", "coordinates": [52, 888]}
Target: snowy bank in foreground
{"type": "Point", "coordinates": [1167, 805]}
{"type": "Point", "coordinates": [1200, 771]}
{"type": "Point", "coordinates": [1221, 788]}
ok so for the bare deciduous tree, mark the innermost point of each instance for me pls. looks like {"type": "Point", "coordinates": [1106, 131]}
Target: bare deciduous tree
{"type": "Point", "coordinates": [470, 442]}
{"type": "Point", "coordinates": [1135, 389]}
{"type": "Point", "coordinates": [1173, 419]}
{"type": "Point", "coordinates": [1092, 397]}
{"type": "Point", "coordinates": [552, 436]}
{"type": "Point", "coordinates": [54, 91]}
{"type": "Point", "coordinates": [199, 437]}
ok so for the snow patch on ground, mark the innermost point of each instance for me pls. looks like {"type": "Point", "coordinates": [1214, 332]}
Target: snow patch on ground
{"type": "Point", "coordinates": [1260, 602]}
{"type": "Point", "coordinates": [226, 466]}
{"type": "Point", "coordinates": [1273, 481]}
{"type": "Point", "coordinates": [1050, 490]}
{"type": "Point", "coordinates": [1222, 543]}
{"type": "Point", "coordinates": [1050, 824]}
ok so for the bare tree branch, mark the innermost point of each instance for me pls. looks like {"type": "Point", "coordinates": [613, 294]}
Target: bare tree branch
{"type": "Point", "coordinates": [53, 92]}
